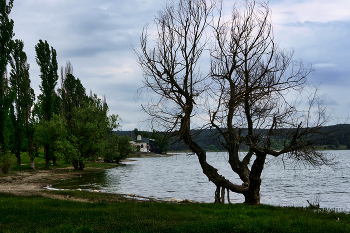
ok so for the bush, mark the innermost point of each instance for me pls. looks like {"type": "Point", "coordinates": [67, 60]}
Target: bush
{"type": "Point", "coordinates": [117, 148]}
{"type": "Point", "coordinates": [5, 163]}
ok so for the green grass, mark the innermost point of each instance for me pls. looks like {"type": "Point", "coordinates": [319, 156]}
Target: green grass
{"type": "Point", "coordinates": [39, 214]}
{"type": "Point", "coordinates": [40, 163]}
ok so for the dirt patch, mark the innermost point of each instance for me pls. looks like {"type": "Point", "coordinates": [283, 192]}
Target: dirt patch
{"type": "Point", "coordinates": [31, 183]}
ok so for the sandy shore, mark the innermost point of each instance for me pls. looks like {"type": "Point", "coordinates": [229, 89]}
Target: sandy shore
{"type": "Point", "coordinates": [29, 183]}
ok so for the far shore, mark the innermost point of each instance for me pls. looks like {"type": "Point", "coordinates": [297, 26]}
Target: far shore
{"type": "Point", "coordinates": [145, 155]}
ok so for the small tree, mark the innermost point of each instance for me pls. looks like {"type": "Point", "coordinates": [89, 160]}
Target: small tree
{"type": "Point", "coordinates": [117, 148]}
{"type": "Point", "coordinates": [51, 132]}
{"type": "Point", "coordinates": [161, 142]}
{"type": "Point", "coordinates": [88, 135]}
{"type": "Point", "coordinates": [336, 144]}
{"type": "Point", "coordinates": [242, 93]}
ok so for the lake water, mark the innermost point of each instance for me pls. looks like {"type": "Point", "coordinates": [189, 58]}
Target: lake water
{"type": "Point", "coordinates": [180, 176]}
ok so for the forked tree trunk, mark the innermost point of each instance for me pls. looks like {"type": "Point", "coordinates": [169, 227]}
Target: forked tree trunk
{"type": "Point", "coordinates": [252, 196]}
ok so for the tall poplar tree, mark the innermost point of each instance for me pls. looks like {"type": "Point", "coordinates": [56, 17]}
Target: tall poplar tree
{"type": "Point", "coordinates": [6, 29]}
{"type": "Point", "coordinates": [46, 58]}
{"type": "Point", "coordinates": [72, 93]}
{"type": "Point", "coordinates": [20, 82]}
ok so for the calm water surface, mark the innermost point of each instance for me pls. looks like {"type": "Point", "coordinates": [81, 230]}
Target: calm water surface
{"type": "Point", "coordinates": [180, 176]}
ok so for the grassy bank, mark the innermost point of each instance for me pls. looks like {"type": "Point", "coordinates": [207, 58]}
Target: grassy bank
{"type": "Point", "coordinates": [39, 214]}
{"type": "Point", "coordinates": [40, 164]}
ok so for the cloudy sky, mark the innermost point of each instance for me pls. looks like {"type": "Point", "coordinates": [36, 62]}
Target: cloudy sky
{"type": "Point", "coordinates": [97, 37]}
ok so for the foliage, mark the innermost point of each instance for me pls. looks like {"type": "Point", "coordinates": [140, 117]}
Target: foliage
{"type": "Point", "coordinates": [46, 58]}
{"type": "Point", "coordinates": [86, 135]}
{"type": "Point", "coordinates": [336, 144]}
{"type": "Point", "coordinates": [6, 43]}
{"type": "Point", "coordinates": [47, 61]}
{"type": "Point", "coordinates": [144, 134]}
{"type": "Point", "coordinates": [161, 142]}
{"type": "Point", "coordinates": [124, 147]}
{"type": "Point", "coordinates": [72, 95]}
{"type": "Point", "coordinates": [51, 133]}
{"type": "Point", "coordinates": [5, 162]}
{"type": "Point", "coordinates": [20, 82]}
{"type": "Point", "coordinates": [212, 148]}
{"type": "Point", "coordinates": [136, 132]}
{"type": "Point", "coordinates": [117, 148]}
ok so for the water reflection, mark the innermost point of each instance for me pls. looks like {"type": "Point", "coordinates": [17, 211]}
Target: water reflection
{"type": "Point", "coordinates": [181, 176]}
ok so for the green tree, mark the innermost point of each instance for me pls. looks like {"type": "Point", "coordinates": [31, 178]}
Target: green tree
{"type": "Point", "coordinates": [52, 132]}
{"type": "Point", "coordinates": [336, 144]}
{"type": "Point", "coordinates": [46, 58]}
{"type": "Point", "coordinates": [136, 133]}
{"type": "Point", "coordinates": [145, 134]}
{"type": "Point", "coordinates": [20, 82]}
{"type": "Point", "coordinates": [161, 141]}
{"type": "Point", "coordinates": [88, 136]}
{"type": "Point", "coordinates": [117, 148]}
{"type": "Point", "coordinates": [124, 147]}
{"type": "Point", "coordinates": [72, 93]}
{"type": "Point", "coordinates": [212, 148]}
{"type": "Point", "coordinates": [6, 34]}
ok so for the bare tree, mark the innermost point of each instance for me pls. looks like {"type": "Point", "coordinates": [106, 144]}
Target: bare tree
{"type": "Point", "coordinates": [243, 93]}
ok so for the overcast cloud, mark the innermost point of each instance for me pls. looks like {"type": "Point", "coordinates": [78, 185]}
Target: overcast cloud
{"type": "Point", "coordinates": [97, 37]}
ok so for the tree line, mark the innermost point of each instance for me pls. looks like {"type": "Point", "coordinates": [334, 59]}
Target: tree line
{"type": "Point", "coordinates": [62, 121]}
{"type": "Point", "coordinates": [333, 137]}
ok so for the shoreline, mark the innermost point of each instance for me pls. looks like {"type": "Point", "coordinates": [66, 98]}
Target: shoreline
{"type": "Point", "coordinates": [33, 182]}
{"type": "Point", "coordinates": [30, 183]}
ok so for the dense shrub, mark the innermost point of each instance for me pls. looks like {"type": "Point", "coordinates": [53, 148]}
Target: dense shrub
{"type": "Point", "coordinates": [5, 163]}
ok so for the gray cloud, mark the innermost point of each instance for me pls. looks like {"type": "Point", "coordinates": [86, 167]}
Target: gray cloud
{"type": "Point", "coordinates": [97, 37]}
{"type": "Point", "coordinates": [327, 100]}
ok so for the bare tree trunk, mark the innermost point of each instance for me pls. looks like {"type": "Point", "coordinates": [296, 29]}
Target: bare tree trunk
{"type": "Point", "coordinates": [18, 156]}
{"type": "Point", "coordinates": [252, 197]}
{"type": "Point", "coordinates": [30, 152]}
{"type": "Point", "coordinates": [228, 196]}
{"type": "Point", "coordinates": [75, 164]}
{"type": "Point", "coordinates": [47, 155]}
{"type": "Point", "coordinates": [222, 195]}
{"type": "Point", "coordinates": [81, 165]}
{"type": "Point", "coordinates": [32, 164]}
{"type": "Point", "coordinates": [217, 194]}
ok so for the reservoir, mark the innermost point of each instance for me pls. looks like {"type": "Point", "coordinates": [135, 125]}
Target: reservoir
{"type": "Point", "coordinates": [284, 183]}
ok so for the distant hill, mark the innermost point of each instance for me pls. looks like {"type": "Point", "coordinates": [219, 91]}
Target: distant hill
{"type": "Point", "coordinates": [207, 139]}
